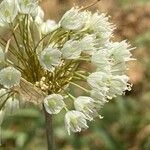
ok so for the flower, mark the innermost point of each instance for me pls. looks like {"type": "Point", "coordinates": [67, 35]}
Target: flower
{"type": "Point", "coordinates": [119, 51]}
{"type": "Point", "coordinates": [71, 50]}
{"type": "Point", "coordinates": [73, 19]}
{"type": "Point", "coordinates": [87, 106]}
{"type": "Point", "coordinates": [100, 25]}
{"type": "Point", "coordinates": [48, 26]}
{"type": "Point", "coordinates": [99, 81]}
{"type": "Point", "coordinates": [118, 84]}
{"type": "Point", "coordinates": [99, 98]}
{"type": "Point", "coordinates": [75, 121]}
{"type": "Point", "coordinates": [8, 11]}
{"type": "Point", "coordinates": [54, 103]}
{"type": "Point", "coordinates": [88, 44]}
{"type": "Point", "coordinates": [101, 60]}
{"type": "Point", "coordinates": [50, 58]}
{"type": "Point", "coordinates": [10, 77]}
{"type": "Point", "coordinates": [27, 6]}
{"type": "Point", "coordinates": [2, 56]}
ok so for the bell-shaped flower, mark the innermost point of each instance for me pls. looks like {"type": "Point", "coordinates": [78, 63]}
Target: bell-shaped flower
{"type": "Point", "coordinates": [9, 77]}
{"type": "Point", "coordinates": [119, 51]}
{"type": "Point", "coordinates": [27, 6]}
{"type": "Point", "coordinates": [101, 60]}
{"type": "Point", "coordinates": [118, 84]}
{"type": "Point", "coordinates": [50, 58]}
{"type": "Point", "coordinates": [73, 19]}
{"type": "Point", "coordinates": [87, 106]}
{"type": "Point", "coordinates": [75, 121]}
{"type": "Point", "coordinates": [99, 81]}
{"type": "Point", "coordinates": [71, 50]}
{"type": "Point", "coordinates": [54, 103]}
{"type": "Point", "coordinates": [48, 26]}
{"type": "Point", "coordinates": [99, 98]}
{"type": "Point", "coordinates": [11, 105]}
{"type": "Point", "coordinates": [88, 44]}
{"type": "Point", "coordinates": [2, 55]}
{"type": "Point", "coordinates": [8, 11]}
{"type": "Point", "coordinates": [99, 23]}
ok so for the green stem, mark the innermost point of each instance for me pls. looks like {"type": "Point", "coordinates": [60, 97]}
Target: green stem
{"type": "Point", "coordinates": [49, 130]}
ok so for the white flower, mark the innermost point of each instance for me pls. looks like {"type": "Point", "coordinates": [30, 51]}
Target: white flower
{"type": "Point", "coordinates": [27, 6]}
{"type": "Point", "coordinates": [71, 50]}
{"type": "Point", "coordinates": [38, 15]}
{"type": "Point", "coordinates": [48, 26]}
{"type": "Point", "coordinates": [8, 11]}
{"type": "Point", "coordinates": [88, 44]}
{"type": "Point", "coordinates": [118, 84]}
{"type": "Point", "coordinates": [2, 114]}
{"type": "Point", "coordinates": [54, 103]}
{"type": "Point", "coordinates": [99, 81]}
{"type": "Point", "coordinates": [100, 25]}
{"type": "Point", "coordinates": [120, 51]}
{"type": "Point", "coordinates": [2, 56]}
{"type": "Point", "coordinates": [50, 58]}
{"type": "Point", "coordinates": [100, 59]}
{"type": "Point", "coordinates": [11, 105]}
{"type": "Point", "coordinates": [73, 19]}
{"type": "Point", "coordinates": [87, 106]}
{"type": "Point", "coordinates": [75, 121]}
{"type": "Point", "coordinates": [99, 98]}
{"type": "Point", "coordinates": [10, 77]}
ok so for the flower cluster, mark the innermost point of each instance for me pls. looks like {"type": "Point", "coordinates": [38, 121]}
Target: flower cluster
{"type": "Point", "coordinates": [47, 57]}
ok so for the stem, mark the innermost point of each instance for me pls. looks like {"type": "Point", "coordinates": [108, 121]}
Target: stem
{"type": "Point", "coordinates": [49, 130]}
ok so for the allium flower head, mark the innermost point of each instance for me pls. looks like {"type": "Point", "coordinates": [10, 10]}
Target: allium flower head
{"type": "Point", "coordinates": [87, 106]}
{"type": "Point", "coordinates": [50, 58]}
{"type": "Point", "coordinates": [75, 121]}
{"type": "Point", "coordinates": [9, 77]}
{"type": "Point", "coordinates": [54, 103]}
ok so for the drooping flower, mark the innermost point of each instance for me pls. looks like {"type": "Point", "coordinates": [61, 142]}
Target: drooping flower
{"type": "Point", "coordinates": [73, 19]}
{"type": "Point", "coordinates": [88, 44]}
{"type": "Point", "coordinates": [99, 81]}
{"type": "Point", "coordinates": [9, 77]}
{"type": "Point", "coordinates": [71, 50]}
{"type": "Point", "coordinates": [75, 121]}
{"type": "Point", "coordinates": [101, 60]}
{"type": "Point", "coordinates": [27, 6]}
{"type": "Point", "coordinates": [54, 103]}
{"type": "Point", "coordinates": [8, 11]}
{"type": "Point", "coordinates": [50, 58]}
{"type": "Point", "coordinates": [119, 51]}
{"type": "Point", "coordinates": [87, 106]}
{"type": "Point", "coordinates": [48, 26]}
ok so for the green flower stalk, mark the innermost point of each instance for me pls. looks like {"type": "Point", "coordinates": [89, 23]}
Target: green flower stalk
{"type": "Point", "coordinates": [42, 59]}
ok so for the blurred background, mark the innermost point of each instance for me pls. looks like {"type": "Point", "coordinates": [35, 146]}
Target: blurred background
{"type": "Point", "coordinates": [126, 123]}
